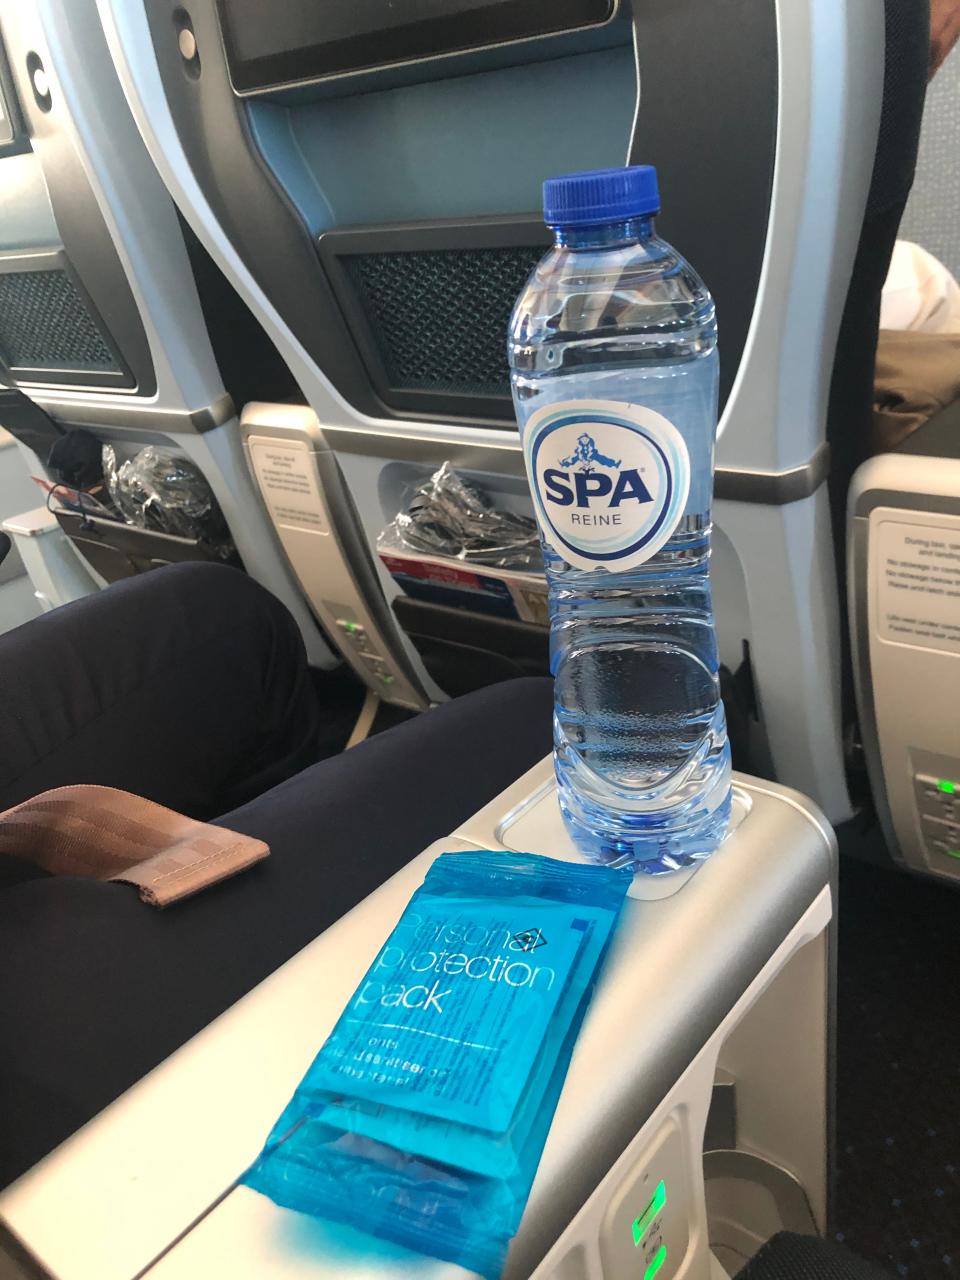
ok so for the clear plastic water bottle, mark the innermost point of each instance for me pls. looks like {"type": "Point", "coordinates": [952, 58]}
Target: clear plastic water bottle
{"type": "Point", "coordinates": [613, 352]}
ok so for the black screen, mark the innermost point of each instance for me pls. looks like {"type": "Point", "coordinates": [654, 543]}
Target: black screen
{"type": "Point", "coordinates": [290, 40]}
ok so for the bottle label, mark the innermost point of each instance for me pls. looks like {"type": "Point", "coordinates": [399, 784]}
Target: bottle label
{"type": "Point", "coordinates": [609, 480]}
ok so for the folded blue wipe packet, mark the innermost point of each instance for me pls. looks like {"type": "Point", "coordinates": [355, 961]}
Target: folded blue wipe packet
{"type": "Point", "coordinates": [457, 991]}
{"type": "Point", "coordinates": [423, 1117]}
{"type": "Point", "coordinates": [493, 1153]}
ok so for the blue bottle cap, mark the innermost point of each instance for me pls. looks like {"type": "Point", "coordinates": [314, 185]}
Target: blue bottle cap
{"type": "Point", "coordinates": [600, 195]}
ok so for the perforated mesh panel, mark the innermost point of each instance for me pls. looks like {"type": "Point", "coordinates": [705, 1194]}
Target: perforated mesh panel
{"type": "Point", "coordinates": [440, 316]}
{"type": "Point", "coordinates": [44, 324]}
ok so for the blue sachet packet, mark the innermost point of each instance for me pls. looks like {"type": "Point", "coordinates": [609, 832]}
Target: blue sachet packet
{"type": "Point", "coordinates": [427, 1206]}
{"type": "Point", "coordinates": [449, 1019]}
{"type": "Point", "coordinates": [426, 1178]}
{"type": "Point", "coordinates": [452, 1014]}
{"type": "Point", "coordinates": [493, 1154]}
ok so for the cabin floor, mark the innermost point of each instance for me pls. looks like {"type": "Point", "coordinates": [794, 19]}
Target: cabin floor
{"type": "Point", "coordinates": [898, 1105]}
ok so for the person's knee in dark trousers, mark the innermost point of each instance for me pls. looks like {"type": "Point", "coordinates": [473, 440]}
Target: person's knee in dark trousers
{"type": "Point", "coordinates": [188, 685]}
{"type": "Point", "coordinates": [97, 988]}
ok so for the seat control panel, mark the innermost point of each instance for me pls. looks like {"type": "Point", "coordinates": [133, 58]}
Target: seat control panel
{"type": "Point", "coordinates": [362, 648]}
{"type": "Point", "coordinates": [315, 530]}
{"type": "Point", "coordinates": [938, 804]}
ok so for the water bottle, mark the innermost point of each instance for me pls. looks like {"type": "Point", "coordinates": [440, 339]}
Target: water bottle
{"type": "Point", "coordinates": [613, 353]}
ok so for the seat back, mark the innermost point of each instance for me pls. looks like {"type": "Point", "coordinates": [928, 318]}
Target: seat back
{"type": "Point", "coordinates": [357, 212]}
{"type": "Point", "coordinates": [902, 513]}
{"type": "Point", "coordinates": [102, 325]}
{"type": "Point", "coordinates": [904, 592]}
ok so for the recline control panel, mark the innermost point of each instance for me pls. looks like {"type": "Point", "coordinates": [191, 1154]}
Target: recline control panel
{"type": "Point", "coordinates": [938, 807]}
{"type": "Point", "coordinates": [363, 647]}
{"type": "Point", "coordinates": [304, 495]}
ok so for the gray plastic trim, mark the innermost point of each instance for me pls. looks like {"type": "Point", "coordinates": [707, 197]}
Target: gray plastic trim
{"type": "Point", "coordinates": [139, 414]}
{"type": "Point", "coordinates": [769, 488]}
{"type": "Point", "coordinates": [787, 1191]}
{"type": "Point", "coordinates": [826, 139]}
{"type": "Point", "coordinates": [773, 488]}
{"type": "Point", "coordinates": [866, 502]}
{"type": "Point", "coordinates": [721, 1130]}
{"type": "Point", "coordinates": [506, 459]}
{"type": "Point", "coordinates": [858, 537]}
{"type": "Point", "coordinates": [370, 78]}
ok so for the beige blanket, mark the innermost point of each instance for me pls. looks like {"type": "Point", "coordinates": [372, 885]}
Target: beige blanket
{"type": "Point", "coordinates": [917, 375]}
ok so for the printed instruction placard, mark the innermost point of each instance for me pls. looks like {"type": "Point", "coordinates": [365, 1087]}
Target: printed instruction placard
{"type": "Point", "coordinates": [918, 585]}
{"type": "Point", "coordinates": [288, 482]}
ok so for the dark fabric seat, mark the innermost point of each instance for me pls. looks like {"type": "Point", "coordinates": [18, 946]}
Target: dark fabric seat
{"type": "Point", "coordinates": [95, 987]}
{"type": "Point", "coordinates": [794, 1257]}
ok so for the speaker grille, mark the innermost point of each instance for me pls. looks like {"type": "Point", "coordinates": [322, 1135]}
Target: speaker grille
{"type": "Point", "coordinates": [44, 324]}
{"type": "Point", "coordinates": [439, 317]}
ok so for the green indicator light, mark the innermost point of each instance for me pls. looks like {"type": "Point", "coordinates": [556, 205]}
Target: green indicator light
{"type": "Point", "coordinates": [659, 1258]}
{"type": "Point", "coordinates": [947, 787]}
{"type": "Point", "coordinates": [641, 1225]}
{"type": "Point", "coordinates": [953, 853]}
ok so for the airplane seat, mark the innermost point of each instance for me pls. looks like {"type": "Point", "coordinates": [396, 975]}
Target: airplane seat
{"type": "Point", "coordinates": [372, 190]}
{"type": "Point", "coordinates": [788, 1256]}
{"type": "Point", "coordinates": [903, 548]}
{"type": "Point", "coordinates": [112, 319]}
{"type": "Point", "coordinates": [897, 517]}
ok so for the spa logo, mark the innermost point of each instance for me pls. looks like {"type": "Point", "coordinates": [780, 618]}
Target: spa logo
{"type": "Point", "coordinates": [587, 486]}
{"type": "Point", "coordinates": [609, 481]}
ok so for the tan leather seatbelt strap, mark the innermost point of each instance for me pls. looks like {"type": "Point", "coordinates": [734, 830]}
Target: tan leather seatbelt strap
{"type": "Point", "coordinates": [108, 834]}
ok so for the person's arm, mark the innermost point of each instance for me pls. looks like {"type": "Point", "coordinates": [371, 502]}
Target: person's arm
{"type": "Point", "coordinates": [944, 30]}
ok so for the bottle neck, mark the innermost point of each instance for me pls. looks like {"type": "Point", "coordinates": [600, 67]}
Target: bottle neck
{"type": "Point", "coordinates": [605, 235]}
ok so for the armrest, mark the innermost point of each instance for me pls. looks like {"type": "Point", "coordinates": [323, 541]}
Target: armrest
{"type": "Point", "coordinates": [150, 1186]}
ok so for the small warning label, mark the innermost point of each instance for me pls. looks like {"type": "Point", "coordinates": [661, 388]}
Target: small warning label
{"type": "Point", "coordinates": [288, 483]}
{"type": "Point", "coordinates": [918, 585]}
